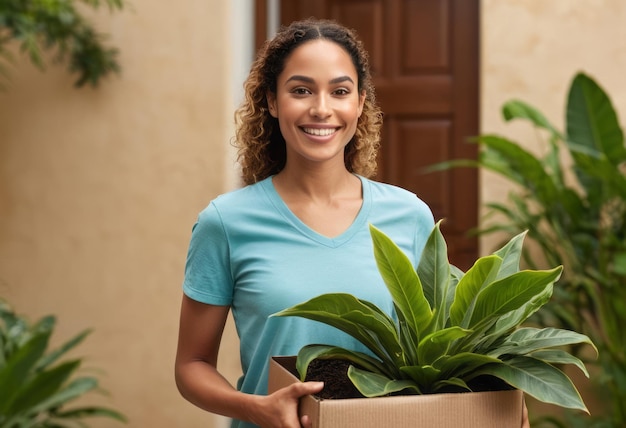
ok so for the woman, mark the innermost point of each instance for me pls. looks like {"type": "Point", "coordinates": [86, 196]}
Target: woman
{"type": "Point", "coordinates": [308, 133]}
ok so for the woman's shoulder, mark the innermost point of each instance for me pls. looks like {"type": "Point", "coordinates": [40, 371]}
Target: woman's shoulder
{"type": "Point", "coordinates": [398, 200]}
{"type": "Point", "coordinates": [246, 195]}
{"type": "Point", "coordinates": [380, 190]}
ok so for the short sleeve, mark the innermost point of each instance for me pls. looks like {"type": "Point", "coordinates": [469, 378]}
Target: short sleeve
{"type": "Point", "coordinates": [208, 277]}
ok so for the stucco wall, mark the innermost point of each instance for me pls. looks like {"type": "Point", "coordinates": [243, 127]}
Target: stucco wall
{"type": "Point", "coordinates": [531, 50]}
{"type": "Point", "coordinates": [99, 188]}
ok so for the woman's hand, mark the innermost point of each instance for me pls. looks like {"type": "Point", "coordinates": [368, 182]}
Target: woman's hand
{"type": "Point", "coordinates": [280, 409]}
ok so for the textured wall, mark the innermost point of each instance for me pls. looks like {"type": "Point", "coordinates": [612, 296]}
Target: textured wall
{"type": "Point", "coordinates": [99, 190]}
{"type": "Point", "coordinates": [531, 49]}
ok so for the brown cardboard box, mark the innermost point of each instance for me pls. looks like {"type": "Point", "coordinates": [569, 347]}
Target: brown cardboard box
{"type": "Point", "coordinates": [502, 409]}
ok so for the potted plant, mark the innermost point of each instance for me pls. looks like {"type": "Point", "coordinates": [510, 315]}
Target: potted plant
{"type": "Point", "coordinates": [572, 201]}
{"type": "Point", "coordinates": [452, 327]}
{"type": "Point", "coordinates": [36, 386]}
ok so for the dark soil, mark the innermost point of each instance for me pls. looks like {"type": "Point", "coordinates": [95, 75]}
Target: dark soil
{"type": "Point", "coordinates": [337, 385]}
{"type": "Point", "coordinates": [334, 374]}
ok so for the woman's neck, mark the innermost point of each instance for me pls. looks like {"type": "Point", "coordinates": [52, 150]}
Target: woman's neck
{"type": "Point", "coordinates": [316, 184]}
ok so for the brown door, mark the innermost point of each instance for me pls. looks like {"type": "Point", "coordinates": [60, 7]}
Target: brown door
{"type": "Point", "coordinates": [424, 58]}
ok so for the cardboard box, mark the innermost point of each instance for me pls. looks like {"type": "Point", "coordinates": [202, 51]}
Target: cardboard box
{"type": "Point", "coordinates": [501, 409]}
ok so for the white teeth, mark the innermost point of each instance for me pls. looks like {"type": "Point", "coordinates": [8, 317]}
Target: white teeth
{"type": "Point", "coordinates": [319, 131]}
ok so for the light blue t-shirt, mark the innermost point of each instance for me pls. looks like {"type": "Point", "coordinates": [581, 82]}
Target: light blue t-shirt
{"type": "Point", "coordinates": [249, 251]}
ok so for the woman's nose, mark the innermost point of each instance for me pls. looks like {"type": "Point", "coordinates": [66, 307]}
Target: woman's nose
{"type": "Point", "coordinates": [321, 107]}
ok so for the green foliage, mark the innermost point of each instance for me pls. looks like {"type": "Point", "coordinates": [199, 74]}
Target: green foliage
{"type": "Point", "coordinates": [572, 201]}
{"type": "Point", "coordinates": [451, 328]}
{"type": "Point", "coordinates": [35, 384]}
{"type": "Point", "coordinates": [57, 24]}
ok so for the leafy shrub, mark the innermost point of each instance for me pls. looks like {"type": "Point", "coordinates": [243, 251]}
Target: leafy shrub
{"type": "Point", "coordinates": [35, 385]}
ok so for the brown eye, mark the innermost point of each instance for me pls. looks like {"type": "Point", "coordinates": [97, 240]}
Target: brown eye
{"type": "Point", "coordinates": [300, 91]}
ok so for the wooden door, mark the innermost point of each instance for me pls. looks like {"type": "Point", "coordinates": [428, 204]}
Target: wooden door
{"type": "Point", "coordinates": [424, 58]}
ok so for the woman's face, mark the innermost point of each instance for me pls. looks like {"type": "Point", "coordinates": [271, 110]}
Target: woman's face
{"type": "Point", "coordinates": [317, 102]}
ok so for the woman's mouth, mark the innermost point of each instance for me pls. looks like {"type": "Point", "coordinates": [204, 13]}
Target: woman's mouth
{"type": "Point", "coordinates": [320, 132]}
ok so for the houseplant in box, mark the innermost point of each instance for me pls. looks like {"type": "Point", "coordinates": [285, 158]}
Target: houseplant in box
{"type": "Point", "coordinates": [452, 327]}
{"type": "Point", "coordinates": [35, 385]}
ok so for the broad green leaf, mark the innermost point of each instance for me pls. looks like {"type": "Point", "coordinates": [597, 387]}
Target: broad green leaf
{"type": "Point", "coordinates": [42, 386]}
{"type": "Point", "coordinates": [592, 121]}
{"type": "Point", "coordinates": [52, 357]}
{"type": "Point", "coordinates": [559, 356]}
{"type": "Point", "coordinates": [459, 365]}
{"type": "Point", "coordinates": [73, 390]}
{"type": "Point", "coordinates": [516, 109]}
{"type": "Point", "coordinates": [423, 375]}
{"type": "Point", "coordinates": [510, 254]}
{"type": "Point", "coordinates": [434, 273]}
{"type": "Point", "coordinates": [312, 352]}
{"type": "Point", "coordinates": [478, 276]}
{"type": "Point", "coordinates": [511, 293]}
{"type": "Point", "coordinates": [537, 379]}
{"type": "Point", "coordinates": [514, 319]}
{"type": "Point", "coordinates": [529, 339]}
{"type": "Point", "coordinates": [374, 385]}
{"type": "Point", "coordinates": [402, 281]}
{"type": "Point", "coordinates": [361, 320]}
{"type": "Point", "coordinates": [515, 163]}
{"type": "Point", "coordinates": [437, 344]}
{"type": "Point", "coordinates": [18, 368]}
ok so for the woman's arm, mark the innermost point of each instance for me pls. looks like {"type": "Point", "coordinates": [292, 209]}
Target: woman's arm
{"type": "Point", "coordinates": [197, 378]}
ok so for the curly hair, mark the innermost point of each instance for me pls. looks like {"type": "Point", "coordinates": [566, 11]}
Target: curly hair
{"type": "Point", "coordinates": [260, 144]}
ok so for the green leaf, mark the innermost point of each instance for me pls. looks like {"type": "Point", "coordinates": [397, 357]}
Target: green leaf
{"type": "Point", "coordinates": [528, 339]}
{"type": "Point", "coordinates": [592, 121]}
{"type": "Point", "coordinates": [515, 163]}
{"type": "Point", "coordinates": [510, 255]}
{"type": "Point", "coordinates": [402, 281]}
{"type": "Point", "coordinates": [511, 293]}
{"type": "Point", "coordinates": [537, 379]}
{"type": "Point", "coordinates": [463, 363]}
{"type": "Point", "coordinates": [361, 320]}
{"type": "Point", "coordinates": [375, 385]}
{"type": "Point", "coordinates": [435, 276]}
{"type": "Point", "coordinates": [42, 386]}
{"type": "Point", "coordinates": [559, 356]}
{"type": "Point", "coordinates": [425, 376]}
{"type": "Point", "coordinates": [19, 366]}
{"type": "Point", "coordinates": [482, 273]}
{"type": "Point", "coordinates": [438, 343]}
{"type": "Point", "coordinates": [73, 390]}
{"type": "Point", "coordinates": [52, 357]}
{"type": "Point", "coordinates": [312, 352]}
{"type": "Point", "coordinates": [516, 109]}
{"type": "Point", "coordinates": [82, 412]}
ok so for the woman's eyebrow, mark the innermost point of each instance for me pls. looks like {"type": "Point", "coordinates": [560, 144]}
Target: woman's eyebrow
{"type": "Point", "coordinates": [307, 79]}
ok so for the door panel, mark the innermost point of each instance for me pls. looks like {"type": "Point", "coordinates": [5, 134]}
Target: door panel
{"type": "Point", "coordinates": [424, 58]}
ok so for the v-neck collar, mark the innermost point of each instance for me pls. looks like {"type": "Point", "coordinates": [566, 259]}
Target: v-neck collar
{"type": "Point", "coordinates": [345, 236]}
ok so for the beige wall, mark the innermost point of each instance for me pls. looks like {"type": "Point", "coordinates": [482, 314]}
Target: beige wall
{"type": "Point", "coordinates": [531, 49]}
{"type": "Point", "coordinates": [99, 188]}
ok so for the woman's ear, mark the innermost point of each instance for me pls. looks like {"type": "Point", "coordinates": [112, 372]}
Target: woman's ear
{"type": "Point", "coordinates": [271, 103]}
{"type": "Point", "coordinates": [361, 101]}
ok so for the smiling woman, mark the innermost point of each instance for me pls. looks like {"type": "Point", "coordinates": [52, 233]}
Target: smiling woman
{"type": "Point", "coordinates": [308, 134]}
